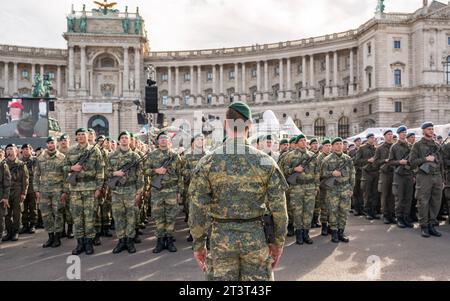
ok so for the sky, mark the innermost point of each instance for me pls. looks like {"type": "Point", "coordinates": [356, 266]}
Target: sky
{"type": "Point", "coordinates": [199, 24]}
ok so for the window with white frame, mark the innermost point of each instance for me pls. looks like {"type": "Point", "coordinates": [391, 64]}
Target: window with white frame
{"type": "Point", "coordinates": [164, 77]}
{"type": "Point", "coordinates": [398, 77]}
{"type": "Point", "coordinates": [397, 44]}
{"type": "Point", "coordinates": [231, 75]}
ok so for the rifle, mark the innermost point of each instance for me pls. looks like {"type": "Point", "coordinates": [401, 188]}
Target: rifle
{"type": "Point", "coordinates": [331, 181]}
{"type": "Point", "coordinates": [400, 167]}
{"type": "Point", "coordinates": [115, 181]}
{"type": "Point", "coordinates": [72, 177]}
{"type": "Point", "coordinates": [156, 182]}
{"type": "Point", "coordinates": [427, 167]}
{"type": "Point", "coordinates": [269, 228]}
{"type": "Point", "coordinates": [292, 179]}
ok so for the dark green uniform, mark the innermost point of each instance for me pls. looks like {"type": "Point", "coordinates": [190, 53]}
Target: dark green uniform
{"type": "Point", "coordinates": [428, 186]}
{"type": "Point", "coordinates": [357, 198]}
{"type": "Point", "coordinates": [29, 214]}
{"type": "Point", "coordinates": [446, 158]}
{"type": "Point", "coordinates": [386, 177]}
{"type": "Point", "coordinates": [5, 186]}
{"type": "Point", "coordinates": [369, 179]}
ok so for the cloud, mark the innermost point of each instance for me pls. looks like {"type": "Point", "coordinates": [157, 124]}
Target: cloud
{"type": "Point", "coordinates": [199, 24]}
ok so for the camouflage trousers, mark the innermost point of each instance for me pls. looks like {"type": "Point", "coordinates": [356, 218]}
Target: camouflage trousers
{"type": "Point", "coordinates": [403, 194]}
{"type": "Point", "coordinates": [124, 212]}
{"type": "Point", "coordinates": [288, 204]}
{"type": "Point", "coordinates": [164, 211]}
{"type": "Point", "coordinates": [14, 215]}
{"type": "Point", "coordinates": [339, 202]}
{"type": "Point", "coordinates": [52, 211]}
{"type": "Point", "coordinates": [322, 200]}
{"type": "Point", "coordinates": [429, 197]}
{"type": "Point", "coordinates": [103, 213]}
{"type": "Point", "coordinates": [302, 199]}
{"type": "Point", "coordinates": [29, 213]}
{"type": "Point", "coordinates": [83, 211]}
{"type": "Point", "coordinates": [68, 219]}
{"type": "Point", "coordinates": [239, 252]}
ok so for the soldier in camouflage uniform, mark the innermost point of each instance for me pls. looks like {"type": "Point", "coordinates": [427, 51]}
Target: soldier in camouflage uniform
{"type": "Point", "coordinates": [403, 179]}
{"type": "Point", "coordinates": [88, 188]}
{"type": "Point", "coordinates": [446, 158]}
{"type": "Point", "coordinates": [127, 196]}
{"type": "Point", "coordinates": [50, 187]}
{"type": "Point", "coordinates": [64, 147]}
{"type": "Point", "coordinates": [386, 178]}
{"type": "Point", "coordinates": [321, 196]}
{"type": "Point", "coordinates": [29, 213]}
{"type": "Point", "coordinates": [2, 154]}
{"type": "Point", "coordinates": [365, 158]}
{"type": "Point", "coordinates": [165, 201]}
{"type": "Point", "coordinates": [284, 146]}
{"type": "Point", "coordinates": [426, 153]}
{"type": "Point", "coordinates": [302, 194]}
{"type": "Point", "coordinates": [338, 166]}
{"type": "Point", "coordinates": [235, 186]}
{"type": "Point", "coordinates": [190, 162]}
{"type": "Point", "coordinates": [17, 194]}
{"type": "Point", "coordinates": [139, 209]}
{"type": "Point", "coordinates": [314, 147]}
{"type": "Point", "coordinates": [5, 186]}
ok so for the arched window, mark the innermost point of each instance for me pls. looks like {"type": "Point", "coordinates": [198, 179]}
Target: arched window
{"type": "Point", "coordinates": [100, 124]}
{"type": "Point", "coordinates": [320, 128]}
{"type": "Point", "coordinates": [447, 71]}
{"type": "Point", "coordinates": [298, 123]}
{"type": "Point", "coordinates": [107, 62]}
{"type": "Point", "coordinates": [344, 127]}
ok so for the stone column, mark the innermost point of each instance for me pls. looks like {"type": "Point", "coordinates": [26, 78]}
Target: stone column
{"type": "Point", "coordinates": [258, 77]}
{"type": "Point", "coordinates": [266, 81]}
{"type": "Point", "coordinates": [71, 69]}
{"type": "Point", "coordinates": [33, 73]}
{"type": "Point", "coordinates": [199, 83]}
{"type": "Point", "coordinates": [41, 72]}
{"type": "Point", "coordinates": [192, 80]}
{"type": "Point", "coordinates": [351, 87]}
{"type": "Point", "coordinates": [244, 87]}
{"type": "Point", "coordinates": [6, 91]}
{"type": "Point", "coordinates": [126, 71]}
{"type": "Point", "coordinates": [177, 81]}
{"type": "Point", "coordinates": [327, 75]}
{"type": "Point", "coordinates": [58, 80]}
{"type": "Point", "coordinates": [288, 79]}
{"type": "Point", "coordinates": [305, 86]}
{"type": "Point", "coordinates": [335, 75]}
{"type": "Point", "coordinates": [169, 81]}
{"type": "Point", "coordinates": [83, 68]}
{"type": "Point", "coordinates": [236, 78]}
{"type": "Point", "coordinates": [281, 80]}
{"type": "Point", "coordinates": [91, 82]}
{"type": "Point", "coordinates": [214, 77]}
{"type": "Point", "coordinates": [137, 69]}
{"type": "Point", "coordinates": [311, 93]}
{"type": "Point", "coordinates": [221, 91]}
{"type": "Point", "coordinates": [15, 79]}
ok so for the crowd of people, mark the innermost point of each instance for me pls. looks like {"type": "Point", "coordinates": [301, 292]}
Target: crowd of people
{"type": "Point", "coordinates": [84, 191]}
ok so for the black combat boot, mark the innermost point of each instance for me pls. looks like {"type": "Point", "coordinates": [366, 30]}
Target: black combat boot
{"type": "Point", "coordinates": [335, 236]}
{"type": "Point", "coordinates": [408, 222]}
{"type": "Point", "coordinates": [315, 222]}
{"type": "Point", "coordinates": [137, 240]}
{"type": "Point", "coordinates": [113, 225]}
{"type": "Point", "coordinates": [80, 247]}
{"type": "Point", "coordinates": [306, 237]}
{"type": "Point", "coordinates": [49, 243]}
{"type": "Point", "coordinates": [7, 237]}
{"type": "Point", "coordinates": [387, 219]}
{"type": "Point", "coordinates": [425, 232]}
{"type": "Point", "coordinates": [342, 237]}
{"type": "Point", "coordinates": [31, 229]}
{"type": "Point", "coordinates": [324, 229]}
{"type": "Point", "coordinates": [25, 229]}
{"type": "Point", "coordinates": [57, 241]}
{"type": "Point", "coordinates": [369, 215]}
{"type": "Point", "coordinates": [299, 237]}
{"type": "Point", "coordinates": [106, 232]}
{"type": "Point", "coordinates": [433, 231]}
{"type": "Point", "coordinates": [170, 245]}
{"type": "Point", "coordinates": [291, 231]}
{"type": "Point", "coordinates": [130, 246]}
{"type": "Point", "coordinates": [401, 222]}
{"type": "Point", "coordinates": [15, 236]}
{"type": "Point", "coordinates": [88, 246]}
{"type": "Point", "coordinates": [97, 241]}
{"type": "Point", "coordinates": [70, 232]}
{"type": "Point", "coordinates": [190, 238]}
{"type": "Point", "coordinates": [159, 246]}
{"type": "Point", "coordinates": [121, 246]}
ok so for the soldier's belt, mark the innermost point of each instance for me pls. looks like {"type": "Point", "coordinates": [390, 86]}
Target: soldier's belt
{"type": "Point", "coordinates": [239, 221]}
{"type": "Point", "coordinates": [305, 182]}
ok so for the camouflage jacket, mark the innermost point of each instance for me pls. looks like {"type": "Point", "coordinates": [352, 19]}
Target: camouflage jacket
{"type": "Point", "coordinates": [421, 150]}
{"type": "Point", "coordinates": [190, 161]}
{"type": "Point", "coordinates": [49, 173]}
{"type": "Point", "coordinates": [382, 158]}
{"type": "Point", "coordinates": [31, 164]}
{"type": "Point", "coordinates": [311, 175]}
{"type": "Point", "coordinates": [400, 151]}
{"type": "Point", "coordinates": [19, 176]}
{"type": "Point", "coordinates": [173, 178]}
{"type": "Point", "coordinates": [333, 162]}
{"type": "Point", "coordinates": [446, 158]}
{"type": "Point", "coordinates": [134, 181]}
{"type": "Point", "coordinates": [5, 181]}
{"type": "Point", "coordinates": [92, 175]}
{"type": "Point", "coordinates": [364, 153]}
{"type": "Point", "coordinates": [238, 184]}
{"type": "Point", "coordinates": [320, 159]}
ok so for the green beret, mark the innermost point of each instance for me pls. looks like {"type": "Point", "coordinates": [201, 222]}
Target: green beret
{"type": "Point", "coordinates": [101, 137]}
{"type": "Point", "coordinates": [81, 130]}
{"type": "Point", "coordinates": [63, 137]}
{"type": "Point", "coordinates": [293, 140]}
{"type": "Point", "coordinates": [50, 139]}
{"type": "Point", "coordinates": [91, 130]}
{"type": "Point", "coordinates": [26, 145]}
{"type": "Point", "coordinates": [124, 133]}
{"type": "Point", "coordinates": [161, 134]}
{"type": "Point", "coordinates": [336, 140]}
{"type": "Point", "coordinates": [313, 140]}
{"type": "Point", "coordinates": [242, 109]}
{"type": "Point", "coordinates": [284, 141]}
{"type": "Point", "coordinates": [299, 137]}
{"type": "Point", "coordinates": [108, 138]}
{"type": "Point", "coordinates": [326, 141]}
{"type": "Point", "coordinates": [132, 135]}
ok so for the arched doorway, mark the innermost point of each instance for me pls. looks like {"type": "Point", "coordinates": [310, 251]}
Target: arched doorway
{"type": "Point", "coordinates": [320, 128]}
{"type": "Point", "coordinates": [100, 124]}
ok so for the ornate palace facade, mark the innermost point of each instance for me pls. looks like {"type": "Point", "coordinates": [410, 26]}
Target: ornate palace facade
{"type": "Point", "coordinates": [392, 70]}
